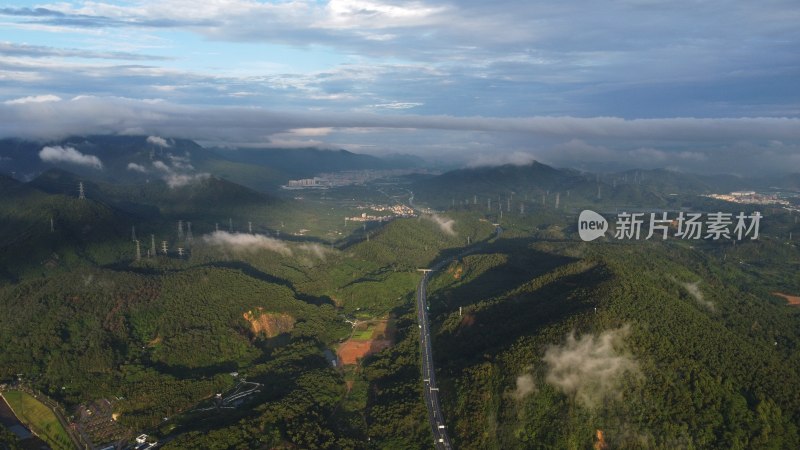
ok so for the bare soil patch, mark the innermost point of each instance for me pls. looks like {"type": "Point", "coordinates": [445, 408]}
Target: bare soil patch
{"type": "Point", "coordinates": [269, 324]}
{"type": "Point", "coordinates": [354, 349]}
{"type": "Point", "coordinates": [793, 300]}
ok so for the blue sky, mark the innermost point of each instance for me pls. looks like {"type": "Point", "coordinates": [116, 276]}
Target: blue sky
{"type": "Point", "coordinates": [689, 85]}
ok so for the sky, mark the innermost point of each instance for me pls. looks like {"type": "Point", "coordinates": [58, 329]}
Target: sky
{"type": "Point", "coordinates": [700, 86]}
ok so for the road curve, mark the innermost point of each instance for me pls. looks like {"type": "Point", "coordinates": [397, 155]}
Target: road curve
{"type": "Point", "coordinates": [430, 390]}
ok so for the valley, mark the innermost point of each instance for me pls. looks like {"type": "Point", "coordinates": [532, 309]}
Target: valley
{"type": "Point", "coordinates": [208, 313]}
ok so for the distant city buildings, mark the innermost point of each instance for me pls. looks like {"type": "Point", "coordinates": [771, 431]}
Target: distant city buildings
{"type": "Point", "coordinates": [751, 198]}
{"type": "Point", "coordinates": [390, 212]}
{"type": "Point", "coordinates": [306, 183]}
{"type": "Point", "coordinates": [347, 178]}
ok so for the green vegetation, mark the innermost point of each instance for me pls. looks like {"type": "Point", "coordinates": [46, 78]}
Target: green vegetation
{"type": "Point", "coordinates": [363, 335]}
{"type": "Point", "coordinates": [692, 347]}
{"type": "Point", "coordinates": [39, 418]}
{"type": "Point", "coordinates": [717, 371]}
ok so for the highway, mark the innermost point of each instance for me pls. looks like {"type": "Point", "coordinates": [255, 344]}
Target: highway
{"type": "Point", "coordinates": [430, 390]}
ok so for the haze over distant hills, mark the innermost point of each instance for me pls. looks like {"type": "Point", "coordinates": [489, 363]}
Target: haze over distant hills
{"type": "Point", "coordinates": [179, 161]}
{"type": "Point", "coordinates": [131, 158]}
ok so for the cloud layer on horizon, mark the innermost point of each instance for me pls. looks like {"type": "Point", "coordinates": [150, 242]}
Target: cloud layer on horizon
{"type": "Point", "coordinates": [704, 145]}
{"type": "Point", "coordinates": [582, 84]}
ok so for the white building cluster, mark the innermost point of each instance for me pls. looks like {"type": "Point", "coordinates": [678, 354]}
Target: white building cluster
{"type": "Point", "coordinates": [750, 198]}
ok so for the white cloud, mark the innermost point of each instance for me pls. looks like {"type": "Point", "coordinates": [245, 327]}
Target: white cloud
{"type": "Point", "coordinates": [229, 123]}
{"type": "Point", "coordinates": [180, 162]}
{"type": "Point", "coordinates": [247, 242]}
{"type": "Point", "coordinates": [155, 140]}
{"type": "Point", "coordinates": [369, 14]}
{"type": "Point", "coordinates": [591, 368]}
{"type": "Point", "coordinates": [160, 165]}
{"type": "Point", "coordinates": [694, 290]}
{"type": "Point", "coordinates": [445, 224]}
{"type": "Point", "coordinates": [175, 180]}
{"type": "Point", "coordinates": [320, 131]}
{"type": "Point", "coordinates": [397, 105]}
{"type": "Point", "coordinates": [70, 155]}
{"type": "Point", "coordinates": [722, 144]}
{"type": "Point", "coordinates": [317, 250]}
{"type": "Point", "coordinates": [137, 167]}
{"type": "Point", "coordinates": [495, 159]}
{"type": "Point", "coordinates": [525, 386]}
{"type": "Point", "coordinates": [34, 99]}
{"type": "Point", "coordinates": [180, 174]}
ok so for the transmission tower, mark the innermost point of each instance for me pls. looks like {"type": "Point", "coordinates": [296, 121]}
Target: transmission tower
{"type": "Point", "coordinates": [164, 247]}
{"type": "Point", "coordinates": [189, 237]}
{"type": "Point", "coordinates": [521, 209]}
{"type": "Point", "coordinates": [488, 204]}
{"type": "Point", "coordinates": [152, 245]}
{"type": "Point", "coordinates": [474, 199]}
{"type": "Point", "coordinates": [216, 226]}
{"type": "Point", "coordinates": [250, 227]}
{"type": "Point", "coordinates": [558, 199]}
{"type": "Point", "coordinates": [180, 230]}
{"type": "Point", "coordinates": [138, 251]}
{"type": "Point", "coordinates": [81, 192]}
{"type": "Point", "coordinates": [508, 207]}
{"type": "Point", "coordinates": [180, 252]}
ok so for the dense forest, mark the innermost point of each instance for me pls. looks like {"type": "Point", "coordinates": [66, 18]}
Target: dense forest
{"type": "Point", "coordinates": [639, 345]}
{"type": "Point", "coordinates": [540, 340]}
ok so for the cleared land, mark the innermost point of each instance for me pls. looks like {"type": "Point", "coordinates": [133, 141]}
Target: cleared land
{"type": "Point", "coordinates": [368, 338]}
{"type": "Point", "coordinates": [39, 418]}
{"type": "Point", "coordinates": [793, 300]}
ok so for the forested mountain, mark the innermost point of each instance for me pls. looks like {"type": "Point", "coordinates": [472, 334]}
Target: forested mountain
{"type": "Point", "coordinates": [538, 183]}
{"type": "Point", "coordinates": [540, 340]}
{"type": "Point", "coordinates": [635, 346]}
{"type": "Point", "coordinates": [307, 162]}
{"type": "Point", "coordinates": [134, 159]}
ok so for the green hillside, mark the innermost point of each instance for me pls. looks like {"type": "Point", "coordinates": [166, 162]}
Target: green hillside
{"type": "Point", "coordinates": [540, 340]}
{"type": "Point", "coordinates": [717, 371]}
